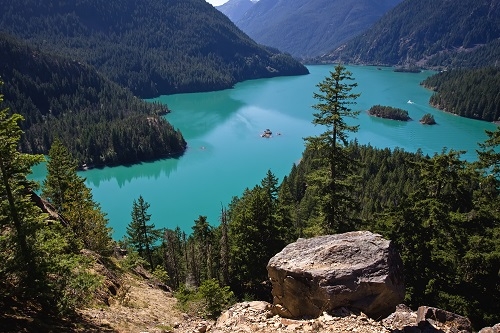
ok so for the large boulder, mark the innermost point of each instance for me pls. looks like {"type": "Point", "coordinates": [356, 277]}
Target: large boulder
{"type": "Point", "coordinates": [357, 270]}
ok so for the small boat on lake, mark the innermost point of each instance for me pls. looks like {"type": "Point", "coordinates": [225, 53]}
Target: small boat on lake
{"type": "Point", "coordinates": [267, 133]}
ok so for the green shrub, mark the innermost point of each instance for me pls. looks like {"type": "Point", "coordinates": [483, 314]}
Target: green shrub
{"type": "Point", "coordinates": [209, 300]}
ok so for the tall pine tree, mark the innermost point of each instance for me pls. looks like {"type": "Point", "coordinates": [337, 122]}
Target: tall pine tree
{"type": "Point", "coordinates": [73, 199]}
{"type": "Point", "coordinates": [336, 179]}
{"type": "Point", "coordinates": [142, 234]}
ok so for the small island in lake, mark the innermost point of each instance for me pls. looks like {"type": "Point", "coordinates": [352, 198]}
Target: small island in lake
{"type": "Point", "coordinates": [389, 112]}
{"type": "Point", "coordinates": [428, 119]}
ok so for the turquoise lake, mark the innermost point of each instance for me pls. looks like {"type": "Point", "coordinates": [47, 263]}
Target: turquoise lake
{"type": "Point", "coordinates": [226, 153]}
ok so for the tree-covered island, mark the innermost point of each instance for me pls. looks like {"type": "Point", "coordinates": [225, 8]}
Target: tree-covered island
{"type": "Point", "coordinates": [427, 119]}
{"type": "Point", "coordinates": [389, 112]}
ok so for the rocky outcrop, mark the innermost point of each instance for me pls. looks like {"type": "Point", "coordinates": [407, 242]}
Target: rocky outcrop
{"type": "Point", "coordinates": [402, 320]}
{"type": "Point", "coordinates": [494, 329]}
{"type": "Point", "coordinates": [426, 320]}
{"type": "Point", "coordinates": [443, 320]}
{"type": "Point", "coordinates": [357, 270]}
{"type": "Point", "coordinates": [258, 317]}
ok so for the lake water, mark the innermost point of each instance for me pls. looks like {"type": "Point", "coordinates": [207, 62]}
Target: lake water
{"type": "Point", "coordinates": [226, 153]}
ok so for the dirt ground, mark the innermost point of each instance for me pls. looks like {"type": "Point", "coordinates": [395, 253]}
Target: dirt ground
{"type": "Point", "coordinates": [140, 307]}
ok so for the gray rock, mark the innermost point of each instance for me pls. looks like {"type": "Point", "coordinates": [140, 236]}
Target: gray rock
{"type": "Point", "coordinates": [494, 329]}
{"type": "Point", "coordinates": [358, 270]}
{"type": "Point", "coordinates": [402, 320]}
{"type": "Point", "coordinates": [443, 320]}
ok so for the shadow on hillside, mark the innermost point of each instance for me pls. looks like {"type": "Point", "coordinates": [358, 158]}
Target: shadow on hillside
{"type": "Point", "coordinates": [16, 318]}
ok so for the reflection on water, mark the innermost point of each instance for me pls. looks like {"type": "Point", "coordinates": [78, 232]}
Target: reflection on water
{"type": "Point", "coordinates": [123, 175]}
{"type": "Point", "coordinates": [199, 113]}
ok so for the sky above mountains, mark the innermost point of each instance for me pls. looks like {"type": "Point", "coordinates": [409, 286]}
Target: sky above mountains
{"type": "Point", "coordinates": [217, 2]}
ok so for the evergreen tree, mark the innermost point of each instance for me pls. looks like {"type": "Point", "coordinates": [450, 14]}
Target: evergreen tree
{"type": "Point", "coordinates": [224, 247]}
{"type": "Point", "coordinates": [73, 199]}
{"type": "Point", "coordinates": [489, 155]}
{"type": "Point", "coordinates": [61, 174]}
{"type": "Point", "coordinates": [142, 235]}
{"type": "Point", "coordinates": [335, 98]}
{"type": "Point", "coordinates": [37, 263]}
{"type": "Point", "coordinates": [255, 236]}
{"type": "Point", "coordinates": [174, 247]}
{"type": "Point", "coordinates": [203, 244]}
{"type": "Point", "coordinates": [20, 218]}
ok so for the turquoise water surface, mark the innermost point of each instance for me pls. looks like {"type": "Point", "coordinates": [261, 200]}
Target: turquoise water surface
{"type": "Point", "coordinates": [226, 153]}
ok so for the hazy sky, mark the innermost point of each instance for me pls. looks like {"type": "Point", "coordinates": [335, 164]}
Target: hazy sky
{"type": "Point", "coordinates": [216, 2]}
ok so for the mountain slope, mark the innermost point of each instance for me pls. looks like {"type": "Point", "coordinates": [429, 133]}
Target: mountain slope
{"type": "Point", "coordinates": [415, 32]}
{"type": "Point", "coordinates": [235, 9]}
{"type": "Point", "coordinates": [152, 47]}
{"type": "Point", "coordinates": [307, 28]}
{"type": "Point", "coordinates": [98, 121]}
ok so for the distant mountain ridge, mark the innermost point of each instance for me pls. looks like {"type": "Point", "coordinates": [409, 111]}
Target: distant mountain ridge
{"type": "Point", "coordinates": [306, 28]}
{"type": "Point", "coordinates": [419, 32]}
{"type": "Point", "coordinates": [153, 47]}
{"type": "Point", "coordinates": [236, 9]}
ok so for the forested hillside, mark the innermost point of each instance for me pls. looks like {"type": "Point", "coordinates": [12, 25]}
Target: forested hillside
{"type": "Point", "coordinates": [312, 27]}
{"type": "Point", "coordinates": [471, 93]}
{"type": "Point", "coordinates": [99, 121]}
{"type": "Point", "coordinates": [153, 47]}
{"type": "Point", "coordinates": [415, 32]}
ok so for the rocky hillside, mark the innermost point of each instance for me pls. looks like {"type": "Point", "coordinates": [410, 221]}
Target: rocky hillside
{"type": "Point", "coordinates": [312, 27]}
{"type": "Point", "coordinates": [152, 47]}
{"type": "Point", "coordinates": [136, 302]}
{"type": "Point", "coordinates": [415, 32]}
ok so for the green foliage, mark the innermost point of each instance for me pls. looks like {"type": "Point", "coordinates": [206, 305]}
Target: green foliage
{"type": "Point", "coordinates": [100, 122]}
{"type": "Point", "coordinates": [216, 298]}
{"type": "Point", "coordinates": [152, 47]}
{"type": "Point", "coordinates": [161, 274]}
{"type": "Point", "coordinates": [142, 235]}
{"type": "Point", "coordinates": [173, 251]}
{"type": "Point", "coordinates": [336, 181]}
{"type": "Point", "coordinates": [209, 299]}
{"type": "Point", "coordinates": [39, 263]}
{"type": "Point", "coordinates": [389, 112]}
{"type": "Point", "coordinates": [442, 212]}
{"type": "Point", "coordinates": [132, 260]}
{"type": "Point", "coordinates": [481, 56]}
{"type": "Point", "coordinates": [69, 195]}
{"type": "Point", "coordinates": [256, 233]}
{"type": "Point", "coordinates": [489, 155]}
{"type": "Point", "coordinates": [71, 284]}
{"type": "Point", "coordinates": [427, 119]}
{"type": "Point", "coordinates": [20, 218]}
{"type": "Point", "coordinates": [471, 93]}
{"type": "Point", "coordinates": [202, 248]}
{"type": "Point", "coordinates": [447, 233]}
{"type": "Point", "coordinates": [416, 31]}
